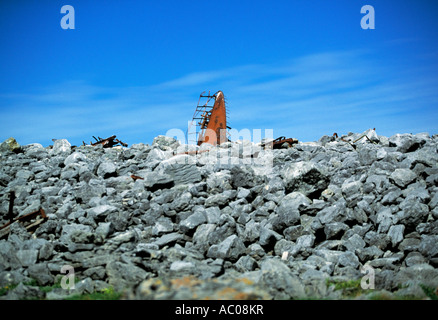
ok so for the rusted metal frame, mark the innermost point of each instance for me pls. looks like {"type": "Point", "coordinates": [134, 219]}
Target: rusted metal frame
{"type": "Point", "coordinates": [206, 114]}
{"type": "Point", "coordinates": [11, 207]}
{"type": "Point", "coordinates": [108, 142]}
{"type": "Point", "coordinates": [103, 142]}
{"type": "Point", "coordinates": [277, 143]}
{"type": "Point", "coordinates": [27, 217]}
{"type": "Point", "coordinates": [4, 230]}
{"type": "Point", "coordinates": [122, 143]}
{"type": "Point", "coordinates": [353, 143]}
{"type": "Point", "coordinates": [364, 136]}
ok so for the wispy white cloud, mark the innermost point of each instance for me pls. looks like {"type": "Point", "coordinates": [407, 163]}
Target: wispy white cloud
{"type": "Point", "coordinates": [304, 97]}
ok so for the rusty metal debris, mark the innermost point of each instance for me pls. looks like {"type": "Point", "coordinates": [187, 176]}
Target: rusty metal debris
{"type": "Point", "coordinates": [30, 220]}
{"type": "Point", "coordinates": [11, 207]}
{"type": "Point", "coordinates": [364, 136]}
{"type": "Point", "coordinates": [353, 143]}
{"type": "Point", "coordinates": [279, 143]}
{"type": "Point", "coordinates": [135, 178]}
{"type": "Point", "coordinates": [107, 143]}
{"type": "Point", "coordinates": [211, 120]}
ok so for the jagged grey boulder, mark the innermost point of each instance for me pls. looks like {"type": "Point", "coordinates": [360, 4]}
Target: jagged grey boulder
{"type": "Point", "coordinates": [61, 146]}
{"type": "Point", "coordinates": [289, 209]}
{"type": "Point", "coordinates": [403, 177]}
{"type": "Point", "coordinates": [306, 177]}
{"type": "Point", "coordinates": [406, 142]}
{"type": "Point", "coordinates": [231, 248]}
{"type": "Point", "coordinates": [10, 145]}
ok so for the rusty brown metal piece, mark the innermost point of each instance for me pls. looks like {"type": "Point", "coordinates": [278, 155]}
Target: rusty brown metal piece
{"type": "Point", "coordinates": [211, 120]}
{"type": "Point", "coordinates": [353, 143]}
{"type": "Point", "coordinates": [26, 220]}
{"type": "Point", "coordinates": [11, 207]}
{"type": "Point", "coordinates": [4, 230]}
{"type": "Point", "coordinates": [133, 176]}
{"type": "Point", "coordinates": [280, 142]}
{"type": "Point", "coordinates": [107, 143]}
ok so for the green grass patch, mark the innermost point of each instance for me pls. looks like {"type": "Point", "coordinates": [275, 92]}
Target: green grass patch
{"type": "Point", "coordinates": [4, 290]}
{"type": "Point", "coordinates": [350, 288]}
{"type": "Point", "coordinates": [430, 292]}
{"type": "Point", "coordinates": [104, 294]}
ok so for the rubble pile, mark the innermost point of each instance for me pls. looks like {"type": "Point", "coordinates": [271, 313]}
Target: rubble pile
{"type": "Point", "coordinates": [235, 221]}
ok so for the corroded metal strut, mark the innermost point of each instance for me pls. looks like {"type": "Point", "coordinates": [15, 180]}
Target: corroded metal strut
{"type": "Point", "coordinates": [211, 120]}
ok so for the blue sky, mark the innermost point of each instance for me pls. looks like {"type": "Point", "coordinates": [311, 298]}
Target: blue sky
{"type": "Point", "coordinates": [136, 68]}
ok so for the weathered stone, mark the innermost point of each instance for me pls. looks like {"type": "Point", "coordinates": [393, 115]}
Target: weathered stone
{"type": "Point", "coordinates": [412, 278]}
{"type": "Point", "coordinates": [183, 173]}
{"type": "Point", "coordinates": [163, 225]}
{"type": "Point", "coordinates": [354, 243]}
{"type": "Point", "coordinates": [104, 230]}
{"type": "Point", "coordinates": [289, 209]}
{"type": "Point", "coordinates": [385, 219]}
{"type": "Point", "coordinates": [181, 266]}
{"type": "Point", "coordinates": [74, 158]}
{"type": "Point", "coordinates": [412, 213]}
{"type": "Point", "coordinates": [27, 257]}
{"type": "Point", "coordinates": [369, 253]}
{"type": "Point", "coordinates": [395, 234]}
{"type": "Point", "coordinates": [268, 237]}
{"type": "Point", "coordinates": [168, 239]}
{"type": "Point", "coordinates": [106, 170]}
{"type": "Point", "coordinates": [428, 246]}
{"type": "Point", "coordinates": [182, 202]}
{"type": "Point", "coordinates": [165, 143]}
{"type": "Point", "coordinates": [246, 263]}
{"type": "Point", "coordinates": [191, 222]}
{"type": "Point", "coordinates": [231, 248]}
{"type": "Point", "coordinates": [41, 274]}
{"type": "Point", "coordinates": [348, 259]}
{"type": "Point", "coordinates": [61, 146]}
{"type": "Point", "coordinates": [414, 258]}
{"type": "Point", "coordinates": [391, 197]}
{"type": "Point", "coordinates": [307, 177]}
{"type": "Point", "coordinates": [293, 232]}
{"type": "Point", "coordinates": [351, 189]}
{"type": "Point", "coordinates": [335, 230]}
{"type": "Point", "coordinates": [402, 177]}
{"type": "Point", "coordinates": [334, 213]}
{"type": "Point", "coordinates": [10, 145]}
{"type": "Point", "coordinates": [306, 241]}
{"type": "Point", "coordinates": [122, 275]}
{"type": "Point", "coordinates": [279, 280]}
{"type": "Point", "coordinates": [69, 229]}
{"type": "Point", "coordinates": [201, 236]}
{"type": "Point", "coordinates": [101, 212]}
{"type": "Point", "coordinates": [405, 142]}
{"type": "Point", "coordinates": [220, 199]}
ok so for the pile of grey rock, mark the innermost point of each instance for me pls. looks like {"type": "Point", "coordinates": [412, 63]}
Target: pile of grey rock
{"type": "Point", "coordinates": [171, 221]}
